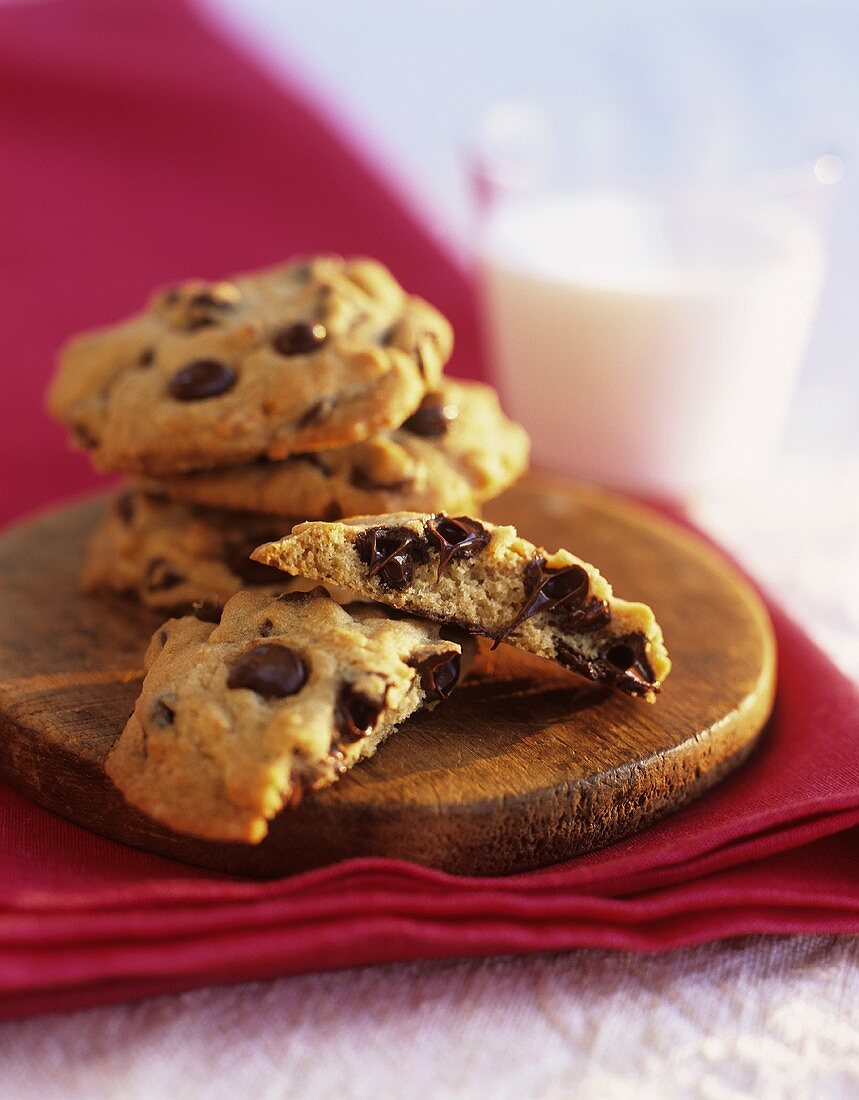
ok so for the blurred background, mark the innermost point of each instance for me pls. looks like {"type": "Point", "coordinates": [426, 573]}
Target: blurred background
{"type": "Point", "coordinates": [664, 86]}
{"type": "Point", "coordinates": [694, 91]}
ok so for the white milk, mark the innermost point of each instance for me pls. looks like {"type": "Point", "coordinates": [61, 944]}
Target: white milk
{"type": "Point", "coordinates": [649, 347]}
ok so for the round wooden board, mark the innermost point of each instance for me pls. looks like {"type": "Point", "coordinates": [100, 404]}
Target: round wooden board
{"type": "Point", "coordinates": [524, 766]}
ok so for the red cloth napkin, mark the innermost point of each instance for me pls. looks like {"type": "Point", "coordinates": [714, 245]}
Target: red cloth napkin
{"type": "Point", "coordinates": [139, 147]}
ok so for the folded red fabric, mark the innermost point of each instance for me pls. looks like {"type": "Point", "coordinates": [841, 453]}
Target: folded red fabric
{"type": "Point", "coordinates": [145, 147]}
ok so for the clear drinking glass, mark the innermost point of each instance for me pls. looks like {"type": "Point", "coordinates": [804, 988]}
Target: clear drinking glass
{"type": "Point", "coordinates": [647, 331]}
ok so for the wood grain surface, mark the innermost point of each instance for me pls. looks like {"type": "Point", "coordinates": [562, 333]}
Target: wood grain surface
{"type": "Point", "coordinates": [523, 767]}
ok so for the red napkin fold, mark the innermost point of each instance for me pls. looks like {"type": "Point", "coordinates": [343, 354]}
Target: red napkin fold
{"type": "Point", "coordinates": [140, 147]}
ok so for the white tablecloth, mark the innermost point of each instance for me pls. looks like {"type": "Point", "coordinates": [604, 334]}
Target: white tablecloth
{"type": "Point", "coordinates": [751, 1018]}
{"type": "Point", "coordinates": [756, 1017]}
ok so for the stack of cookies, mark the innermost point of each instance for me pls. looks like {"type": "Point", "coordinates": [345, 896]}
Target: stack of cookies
{"type": "Point", "coordinates": [284, 401]}
{"type": "Point", "coordinates": [310, 391]}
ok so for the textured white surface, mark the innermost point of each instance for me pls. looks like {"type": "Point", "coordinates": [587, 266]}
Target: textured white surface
{"type": "Point", "coordinates": [749, 1018]}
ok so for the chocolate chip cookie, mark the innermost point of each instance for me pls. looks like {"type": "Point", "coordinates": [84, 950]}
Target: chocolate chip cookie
{"type": "Point", "coordinates": [457, 450]}
{"type": "Point", "coordinates": [315, 354]}
{"type": "Point", "coordinates": [173, 557]}
{"type": "Point", "coordinates": [486, 580]}
{"type": "Point", "coordinates": [238, 720]}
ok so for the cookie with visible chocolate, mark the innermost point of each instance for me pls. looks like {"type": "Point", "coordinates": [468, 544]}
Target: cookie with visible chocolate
{"type": "Point", "coordinates": [173, 557]}
{"type": "Point", "coordinates": [456, 451]}
{"type": "Point", "coordinates": [236, 721]}
{"type": "Point", "coordinates": [486, 580]}
{"type": "Point", "coordinates": [310, 355]}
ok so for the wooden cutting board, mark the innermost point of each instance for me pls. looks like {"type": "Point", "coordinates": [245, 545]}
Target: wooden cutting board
{"type": "Point", "coordinates": [524, 766]}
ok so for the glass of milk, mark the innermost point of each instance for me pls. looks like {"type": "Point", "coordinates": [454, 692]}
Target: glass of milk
{"type": "Point", "coordinates": [649, 336]}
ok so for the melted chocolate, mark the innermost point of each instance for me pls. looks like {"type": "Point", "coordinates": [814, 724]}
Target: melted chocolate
{"type": "Point", "coordinates": [547, 589]}
{"type": "Point", "coordinates": [461, 537]}
{"type": "Point", "coordinates": [432, 418]}
{"type": "Point", "coordinates": [391, 554]}
{"type": "Point", "coordinates": [201, 379]}
{"type": "Point", "coordinates": [272, 671]}
{"type": "Point", "coordinates": [439, 673]}
{"type": "Point", "coordinates": [355, 714]}
{"type": "Point", "coordinates": [623, 664]}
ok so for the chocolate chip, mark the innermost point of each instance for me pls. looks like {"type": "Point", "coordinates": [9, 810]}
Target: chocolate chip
{"type": "Point", "coordinates": [125, 507]}
{"type": "Point", "coordinates": [314, 460]}
{"type": "Point", "coordinates": [621, 656]}
{"type": "Point", "coordinates": [547, 589]}
{"type": "Point", "coordinates": [238, 560]}
{"type": "Point", "coordinates": [201, 379]}
{"type": "Point", "coordinates": [424, 338]}
{"type": "Point", "coordinates": [161, 576]}
{"type": "Point", "coordinates": [146, 357]}
{"type": "Point", "coordinates": [202, 308]}
{"type": "Point", "coordinates": [629, 656]}
{"type": "Point", "coordinates": [84, 437]}
{"type": "Point", "coordinates": [362, 480]}
{"type": "Point", "coordinates": [391, 554]}
{"type": "Point", "coordinates": [461, 537]}
{"type": "Point", "coordinates": [592, 615]}
{"type": "Point", "coordinates": [355, 714]}
{"type": "Point", "coordinates": [195, 323]}
{"type": "Point", "coordinates": [271, 670]}
{"type": "Point", "coordinates": [219, 296]}
{"type": "Point", "coordinates": [206, 611]}
{"type": "Point", "coordinates": [432, 417]}
{"type": "Point", "coordinates": [300, 338]}
{"type": "Point", "coordinates": [439, 673]}
{"type": "Point", "coordinates": [266, 628]}
{"type": "Point", "coordinates": [162, 714]}
{"type": "Point", "coordinates": [318, 412]}
{"type": "Point", "coordinates": [635, 679]}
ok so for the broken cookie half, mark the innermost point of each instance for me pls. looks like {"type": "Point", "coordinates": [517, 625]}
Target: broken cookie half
{"type": "Point", "coordinates": [485, 580]}
{"type": "Point", "coordinates": [239, 719]}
